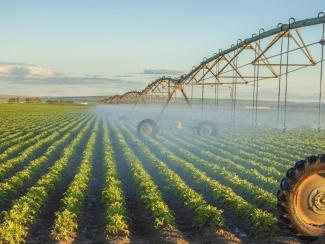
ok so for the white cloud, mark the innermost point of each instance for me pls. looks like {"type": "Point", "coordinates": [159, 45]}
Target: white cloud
{"type": "Point", "coordinates": [31, 74]}
{"type": "Point", "coordinates": [27, 79]}
{"type": "Point", "coordinates": [24, 71]}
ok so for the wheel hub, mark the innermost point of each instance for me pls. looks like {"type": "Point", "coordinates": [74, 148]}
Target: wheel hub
{"type": "Point", "coordinates": [146, 129]}
{"type": "Point", "coordinates": [317, 200]}
{"type": "Point", "coordinates": [310, 200]}
{"type": "Point", "coordinates": [206, 131]}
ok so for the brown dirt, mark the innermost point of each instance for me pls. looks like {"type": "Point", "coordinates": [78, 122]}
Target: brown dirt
{"type": "Point", "coordinates": [320, 240]}
{"type": "Point", "coordinates": [92, 223]}
{"type": "Point", "coordinates": [139, 218]}
{"type": "Point", "coordinates": [276, 240]}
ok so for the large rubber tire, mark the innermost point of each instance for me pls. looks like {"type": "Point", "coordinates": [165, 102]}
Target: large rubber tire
{"type": "Point", "coordinates": [148, 127]}
{"type": "Point", "coordinates": [301, 198]}
{"type": "Point", "coordinates": [207, 128]}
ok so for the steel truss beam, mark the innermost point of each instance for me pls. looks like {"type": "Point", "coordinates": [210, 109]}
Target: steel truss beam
{"type": "Point", "coordinates": [227, 64]}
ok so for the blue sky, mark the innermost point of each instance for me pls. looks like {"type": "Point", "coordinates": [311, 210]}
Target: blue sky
{"type": "Point", "coordinates": [119, 40]}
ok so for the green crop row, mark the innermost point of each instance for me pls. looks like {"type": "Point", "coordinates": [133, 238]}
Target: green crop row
{"type": "Point", "coordinates": [112, 195]}
{"type": "Point", "coordinates": [25, 210]}
{"type": "Point", "coordinates": [222, 196]}
{"type": "Point", "coordinates": [228, 152]}
{"type": "Point", "coordinates": [10, 188]}
{"type": "Point", "coordinates": [66, 219]}
{"type": "Point", "coordinates": [268, 143]}
{"type": "Point", "coordinates": [147, 190]}
{"type": "Point", "coordinates": [249, 191]}
{"type": "Point", "coordinates": [251, 175]}
{"type": "Point", "coordinates": [7, 166]}
{"type": "Point", "coordinates": [22, 144]}
{"type": "Point", "coordinates": [5, 146]}
{"type": "Point", "coordinates": [270, 168]}
{"type": "Point", "coordinates": [204, 214]}
{"type": "Point", "coordinates": [18, 122]}
{"type": "Point", "coordinates": [10, 137]}
{"type": "Point", "coordinates": [248, 152]}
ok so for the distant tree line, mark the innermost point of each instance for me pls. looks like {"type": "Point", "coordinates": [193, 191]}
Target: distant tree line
{"type": "Point", "coordinates": [24, 100]}
{"type": "Point", "coordinates": [14, 100]}
{"type": "Point", "coordinates": [33, 100]}
{"type": "Point", "coordinates": [36, 100]}
{"type": "Point", "coordinates": [59, 102]}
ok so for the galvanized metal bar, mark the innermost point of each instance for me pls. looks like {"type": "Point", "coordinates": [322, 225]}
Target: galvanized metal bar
{"type": "Point", "coordinates": [321, 79]}
{"type": "Point", "coordinates": [284, 27]}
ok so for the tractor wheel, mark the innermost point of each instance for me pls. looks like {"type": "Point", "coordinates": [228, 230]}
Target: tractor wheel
{"type": "Point", "coordinates": [301, 198]}
{"type": "Point", "coordinates": [207, 128]}
{"type": "Point", "coordinates": [148, 127]}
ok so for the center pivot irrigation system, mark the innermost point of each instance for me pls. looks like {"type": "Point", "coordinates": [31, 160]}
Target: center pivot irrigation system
{"type": "Point", "coordinates": [268, 55]}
